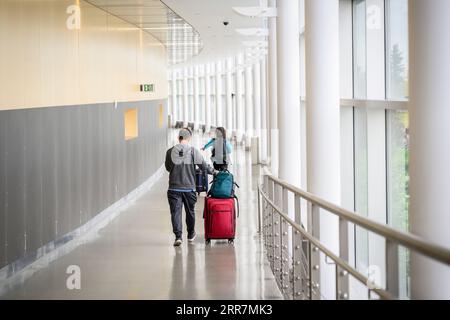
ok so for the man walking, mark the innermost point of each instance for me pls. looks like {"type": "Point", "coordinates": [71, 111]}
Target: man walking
{"type": "Point", "coordinates": [181, 162]}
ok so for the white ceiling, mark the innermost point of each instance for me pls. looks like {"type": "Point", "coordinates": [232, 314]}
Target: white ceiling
{"type": "Point", "coordinates": [153, 16]}
{"type": "Point", "coordinates": [207, 17]}
{"type": "Point", "coordinates": [192, 30]}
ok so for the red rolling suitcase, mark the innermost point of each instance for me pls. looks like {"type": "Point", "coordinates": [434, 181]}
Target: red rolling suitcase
{"type": "Point", "coordinates": [220, 219]}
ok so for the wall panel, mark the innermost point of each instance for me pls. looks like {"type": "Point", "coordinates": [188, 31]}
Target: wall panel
{"type": "Point", "coordinates": [3, 230]}
{"type": "Point", "coordinates": [15, 183]}
{"type": "Point", "coordinates": [61, 166]}
{"type": "Point", "coordinates": [45, 64]}
{"type": "Point", "coordinates": [34, 178]}
{"type": "Point", "coordinates": [63, 154]}
{"type": "Point", "coordinates": [48, 177]}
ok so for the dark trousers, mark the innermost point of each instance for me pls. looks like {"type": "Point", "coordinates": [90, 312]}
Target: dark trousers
{"type": "Point", "coordinates": [176, 202]}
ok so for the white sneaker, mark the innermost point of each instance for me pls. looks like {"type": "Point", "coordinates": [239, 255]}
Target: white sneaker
{"type": "Point", "coordinates": [191, 239]}
{"type": "Point", "coordinates": [177, 242]}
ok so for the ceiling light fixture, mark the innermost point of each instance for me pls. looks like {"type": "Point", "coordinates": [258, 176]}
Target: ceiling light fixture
{"type": "Point", "coordinates": [256, 12]}
{"type": "Point", "coordinates": [259, 44]}
{"type": "Point", "coordinates": [253, 31]}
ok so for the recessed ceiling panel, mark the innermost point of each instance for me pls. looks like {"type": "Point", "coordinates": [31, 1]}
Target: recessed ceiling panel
{"type": "Point", "coordinates": [154, 17]}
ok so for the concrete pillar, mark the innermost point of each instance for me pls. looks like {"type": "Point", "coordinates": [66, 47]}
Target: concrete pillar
{"type": "Point", "coordinates": [185, 98]}
{"type": "Point", "coordinates": [219, 90]}
{"type": "Point", "coordinates": [257, 105]}
{"type": "Point", "coordinates": [248, 107]}
{"type": "Point", "coordinates": [196, 98]}
{"type": "Point", "coordinates": [264, 109]}
{"type": "Point", "coordinates": [240, 108]}
{"type": "Point", "coordinates": [229, 97]}
{"type": "Point", "coordinates": [429, 107]}
{"type": "Point", "coordinates": [208, 97]}
{"type": "Point", "coordinates": [288, 70]}
{"type": "Point", "coordinates": [323, 120]}
{"type": "Point", "coordinates": [273, 93]}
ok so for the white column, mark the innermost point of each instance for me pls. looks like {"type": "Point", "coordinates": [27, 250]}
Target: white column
{"type": "Point", "coordinates": [174, 98]}
{"type": "Point", "coordinates": [257, 103]}
{"type": "Point", "coordinates": [196, 99]}
{"type": "Point", "coordinates": [323, 120]}
{"type": "Point", "coordinates": [248, 106]}
{"type": "Point", "coordinates": [208, 97]}
{"type": "Point", "coordinates": [213, 96]}
{"type": "Point", "coordinates": [229, 99]}
{"type": "Point", "coordinates": [219, 90]}
{"type": "Point", "coordinates": [288, 54]}
{"type": "Point", "coordinates": [240, 108]}
{"type": "Point", "coordinates": [170, 96]}
{"type": "Point", "coordinates": [185, 98]}
{"type": "Point", "coordinates": [273, 93]}
{"type": "Point", "coordinates": [202, 80]}
{"type": "Point", "coordinates": [429, 109]}
{"type": "Point", "coordinates": [191, 94]}
{"type": "Point", "coordinates": [264, 109]}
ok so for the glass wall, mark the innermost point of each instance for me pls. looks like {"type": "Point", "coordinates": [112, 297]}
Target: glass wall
{"type": "Point", "coordinates": [397, 125]}
{"type": "Point", "coordinates": [397, 49]}
{"type": "Point", "coordinates": [359, 49]}
{"type": "Point", "coordinates": [360, 132]}
{"type": "Point", "coordinates": [378, 141]}
{"type": "Point", "coordinates": [398, 185]}
{"type": "Point", "coordinates": [361, 187]}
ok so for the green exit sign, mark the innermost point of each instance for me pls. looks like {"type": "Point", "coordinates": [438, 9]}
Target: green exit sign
{"type": "Point", "coordinates": [147, 87]}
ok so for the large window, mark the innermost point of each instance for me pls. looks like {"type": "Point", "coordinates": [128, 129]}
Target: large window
{"type": "Point", "coordinates": [381, 149]}
{"type": "Point", "coordinates": [398, 187]}
{"type": "Point", "coordinates": [397, 125]}
{"type": "Point", "coordinates": [361, 187]}
{"type": "Point", "coordinates": [360, 132]}
{"type": "Point", "coordinates": [359, 49]}
{"type": "Point", "coordinates": [397, 49]}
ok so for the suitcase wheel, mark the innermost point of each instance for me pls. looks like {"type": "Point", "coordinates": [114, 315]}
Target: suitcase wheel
{"type": "Point", "coordinates": [230, 241]}
{"type": "Point", "coordinates": [208, 241]}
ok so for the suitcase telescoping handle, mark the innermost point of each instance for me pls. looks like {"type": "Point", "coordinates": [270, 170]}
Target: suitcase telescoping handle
{"type": "Point", "coordinates": [237, 202]}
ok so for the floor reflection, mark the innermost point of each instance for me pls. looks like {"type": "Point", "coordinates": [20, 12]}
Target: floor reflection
{"type": "Point", "coordinates": [184, 274]}
{"type": "Point", "coordinates": [220, 270]}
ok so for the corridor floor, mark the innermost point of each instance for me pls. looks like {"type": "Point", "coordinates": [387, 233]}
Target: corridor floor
{"type": "Point", "coordinates": [133, 256]}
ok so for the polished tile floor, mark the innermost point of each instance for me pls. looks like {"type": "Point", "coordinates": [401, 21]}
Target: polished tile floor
{"type": "Point", "coordinates": [133, 256]}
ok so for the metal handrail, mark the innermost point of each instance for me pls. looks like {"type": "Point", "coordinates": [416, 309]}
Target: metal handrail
{"type": "Point", "coordinates": [376, 104]}
{"type": "Point", "coordinates": [401, 105]}
{"type": "Point", "coordinates": [277, 240]}
{"type": "Point", "coordinates": [404, 239]}
{"type": "Point", "coordinates": [339, 261]}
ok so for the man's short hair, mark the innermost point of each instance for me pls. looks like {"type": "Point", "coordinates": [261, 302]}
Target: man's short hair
{"type": "Point", "coordinates": [185, 134]}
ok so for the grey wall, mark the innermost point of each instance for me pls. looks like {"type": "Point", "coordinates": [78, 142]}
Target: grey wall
{"type": "Point", "coordinates": [61, 166]}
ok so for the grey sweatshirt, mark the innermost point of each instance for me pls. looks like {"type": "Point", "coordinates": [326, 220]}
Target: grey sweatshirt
{"type": "Point", "coordinates": [179, 163]}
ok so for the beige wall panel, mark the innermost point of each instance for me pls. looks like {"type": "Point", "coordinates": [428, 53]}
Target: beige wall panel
{"type": "Point", "coordinates": [93, 47]}
{"type": "Point", "coordinates": [110, 57]}
{"type": "Point", "coordinates": [45, 64]}
{"type": "Point", "coordinates": [59, 56]}
{"type": "Point", "coordinates": [33, 88]}
{"type": "Point", "coordinates": [12, 53]}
